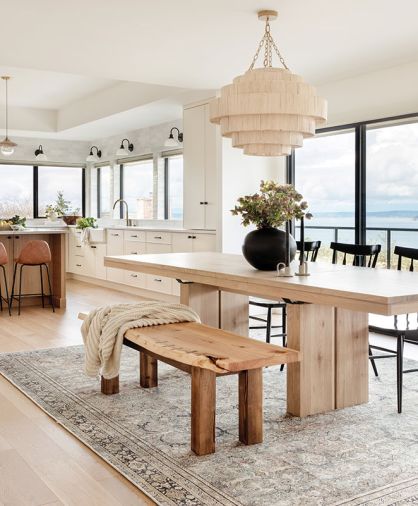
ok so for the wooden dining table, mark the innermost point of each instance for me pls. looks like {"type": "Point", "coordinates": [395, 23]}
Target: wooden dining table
{"type": "Point", "coordinates": [327, 315]}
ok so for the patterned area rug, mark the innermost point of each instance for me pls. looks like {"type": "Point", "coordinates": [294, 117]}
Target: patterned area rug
{"type": "Point", "coordinates": [362, 455]}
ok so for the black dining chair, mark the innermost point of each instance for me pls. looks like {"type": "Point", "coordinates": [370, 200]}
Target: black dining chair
{"type": "Point", "coordinates": [363, 255]}
{"type": "Point", "coordinates": [311, 251]}
{"type": "Point", "coordinates": [406, 258]}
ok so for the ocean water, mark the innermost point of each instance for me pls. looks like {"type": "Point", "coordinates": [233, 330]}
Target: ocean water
{"type": "Point", "coordinates": [407, 238]}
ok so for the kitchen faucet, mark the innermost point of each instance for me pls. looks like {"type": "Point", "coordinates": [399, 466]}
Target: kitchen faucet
{"type": "Point", "coordinates": [127, 209]}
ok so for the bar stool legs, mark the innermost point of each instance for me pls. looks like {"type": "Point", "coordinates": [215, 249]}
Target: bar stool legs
{"type": "Point", "coordinates": [19, 295]}
{"type": "Point", "coordinates": [5, 299]}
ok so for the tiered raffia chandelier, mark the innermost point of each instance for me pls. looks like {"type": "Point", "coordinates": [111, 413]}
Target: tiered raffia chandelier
{"type": "Point", "coordinates": [268, 111]}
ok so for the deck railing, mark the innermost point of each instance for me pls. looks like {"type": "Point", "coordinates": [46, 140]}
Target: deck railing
{"type": "Point", "coordinates": [388, 244]}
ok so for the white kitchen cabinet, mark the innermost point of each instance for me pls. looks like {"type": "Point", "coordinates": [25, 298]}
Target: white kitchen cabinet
{"type": "Point", "coordinates": [134, 235]}
{"type": "Point", "coordinates": [134, 248]}
{"type": "Point", "coordinates": [158, 237]}
{"type": "Point", "coordinates": [200, 166]}
{"type": "Point", "coordinates": [136, 279]}
{"type": "Point", "coordinates": [189, 242]}
{"type": "Point", "coordinates": [115, 246]}
{"type": "Point", "coordinates": [158, 248]}
{"type": "Point", "coordinates": [98, 252]}
{"type": "Point", "coordinates": [159, 283]}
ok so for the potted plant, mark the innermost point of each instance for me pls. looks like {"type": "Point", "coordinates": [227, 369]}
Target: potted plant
{"type": "Point", "coordinates": [61, 208]}
{"type": "Point", "coordinates": [270, 208]}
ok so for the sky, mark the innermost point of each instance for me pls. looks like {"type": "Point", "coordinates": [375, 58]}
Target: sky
{"type": "Point", "coordinates": [325, 170]}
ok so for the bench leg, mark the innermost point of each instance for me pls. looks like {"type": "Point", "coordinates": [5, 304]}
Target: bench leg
{"type": "Point", "coordinates": [110, 386]}
{"type": "Point", "coordinates": [203, 410]}
{"type": "Point", "coordinates": [251, 406]}
{"type": "Point", "coordinates": [148, 370]}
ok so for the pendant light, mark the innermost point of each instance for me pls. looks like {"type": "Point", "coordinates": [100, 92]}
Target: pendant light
{"type": "Point", "coordinates": [171, 142]}
{"type": "Point", "coordinates": [7, 146]}
{"type": "Point", "coordinates": [40, 155]}
{"type": "Point", "coordinates": [268, 111]}
{"type": "Point", "coordinates": [94, 157]}
{"type": "Point", "coordinates": [122, 151]}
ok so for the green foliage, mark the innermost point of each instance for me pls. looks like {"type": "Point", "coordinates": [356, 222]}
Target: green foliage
{"type": "Point", "coordinates": [18, 220]}
{"type": "Point", "coordinates": [272, 206]}
{"type": "Point", "coordinates": [60, 207]}
{"type": "Point", "coordinates": [87, 223]}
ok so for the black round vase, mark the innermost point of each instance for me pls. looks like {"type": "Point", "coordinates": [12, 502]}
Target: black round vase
{"type": "Point", "coordinates": [264, 248]}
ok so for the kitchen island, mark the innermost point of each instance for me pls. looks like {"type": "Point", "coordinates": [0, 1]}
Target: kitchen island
{"type": "Point", "coordinates": [15, 240]}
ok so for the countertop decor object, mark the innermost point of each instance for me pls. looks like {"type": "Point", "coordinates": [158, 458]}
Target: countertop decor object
{"type": "Point", "coordinates": [268, 111]}
{"type": "Point", "coordinates": [274, 206]}
{"type": "Point", "coordinates": [7, 147]}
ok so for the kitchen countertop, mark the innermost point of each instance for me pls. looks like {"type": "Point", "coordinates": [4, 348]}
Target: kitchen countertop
{"type": "Point", "coordinates": [35, 231]}
{"type": "Point", "coordinates": [155, 229]}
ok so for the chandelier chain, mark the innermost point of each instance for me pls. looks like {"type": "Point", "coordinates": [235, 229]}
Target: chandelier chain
{"type": "Point", "coordinates": [268, 42]}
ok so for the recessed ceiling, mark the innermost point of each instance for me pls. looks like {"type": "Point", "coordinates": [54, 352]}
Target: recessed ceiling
{"type": "Point", "coordinates": [202, 44]}
{"type": "Point", "coordinates": [48, 90]}
{"type": "Point", "coordinates": [81, 69]}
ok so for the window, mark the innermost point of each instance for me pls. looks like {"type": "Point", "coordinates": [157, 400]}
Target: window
{"type": "Point", "coordinates": [174, 187]}
{"type": "Point", "coordinates": [361, 182]}
{"type": "Point", "coordinates": [105, 191]}
{"type": "Point", "coordinates": [392, 195]}
{"type": "Point", "coordinates": [16, 191]}
{"type": "Point", "coordinates": [325, 176]}
{"type": "Point", "coordinates": [51, 180]}
{"type": "Point", "coordinates": [138, 188]}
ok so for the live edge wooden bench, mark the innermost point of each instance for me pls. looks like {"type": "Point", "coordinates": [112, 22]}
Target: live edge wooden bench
{"type": "Point", "coordinates": [205, 353]}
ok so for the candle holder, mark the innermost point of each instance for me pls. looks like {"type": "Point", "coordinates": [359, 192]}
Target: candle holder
{"type": "Point", "coordinates": [303, 269]}
{"type": "Point", "coordinates": [284, 271]}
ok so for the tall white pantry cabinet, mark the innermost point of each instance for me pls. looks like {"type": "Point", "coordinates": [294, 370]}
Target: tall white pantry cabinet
{"type": "Point", "coordinates": [201, 153]}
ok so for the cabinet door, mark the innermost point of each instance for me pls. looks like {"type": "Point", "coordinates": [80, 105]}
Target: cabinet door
{"type": "Point", "coordinates": [158, 248]}
{"type": "Point", "coordinates": [182, 243]}
{"type": "Point", "coordinates": [134, 248]}
{"type": "Point", "coordinates": [115, 247]}
{"type": "Point", "coordinates": [204, 242]}
{"type": "Point", "coordinates": [211, 173]}
{"type": "Point", "coordinates": [99, 251]}
{"type": "Point", "coordinates": [194, 167]}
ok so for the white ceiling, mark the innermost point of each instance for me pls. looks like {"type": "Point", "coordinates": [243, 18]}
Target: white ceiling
{"type": "Point", "coordinates": [80, 49]}
{"type": "Point", "coordinates": [48, 90]}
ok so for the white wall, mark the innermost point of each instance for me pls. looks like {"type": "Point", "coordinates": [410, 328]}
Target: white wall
{"type": "Point", "coordinates": [57, 151]}
{"type": "Point", "coordinates": [241, 175]}
{"type": "Point", "coordinates": [389, 92]}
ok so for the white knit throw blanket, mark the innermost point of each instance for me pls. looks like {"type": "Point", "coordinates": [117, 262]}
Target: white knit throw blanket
{"type": "Point", "coordinates": [104, 328]}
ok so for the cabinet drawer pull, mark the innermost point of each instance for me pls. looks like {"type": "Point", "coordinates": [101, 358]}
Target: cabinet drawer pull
{"type": "Point", "coordinates": [78, 265]}
{"type": "Point", "coordinates": [136, 235]}
{"type": "Point", "coordinates": [157, 237]}
{"type": "Point", "coordinates": [134, 253]}
{"type": "Point", "coordinates": [159, 280]}
{"type": "Point", "coordinates": [134, 275]}
{"type": "Point", "coordinates": [204, 203]}
{"type": "Point", "coordinates": [114, 235]}
{"type": "Point", "coordinates": [189, 237]}
{"type": "Point", "coordinates": [93, 247]}
{"type": "Point", "coordinates": [78, 246]}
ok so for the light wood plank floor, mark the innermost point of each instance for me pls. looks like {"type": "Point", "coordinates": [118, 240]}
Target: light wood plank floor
{"type": "Point", "coordinates": [40, 462]}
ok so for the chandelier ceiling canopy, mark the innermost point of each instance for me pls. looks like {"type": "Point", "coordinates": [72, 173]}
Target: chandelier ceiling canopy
{"type": "Point", "coordinates": [268, 111]}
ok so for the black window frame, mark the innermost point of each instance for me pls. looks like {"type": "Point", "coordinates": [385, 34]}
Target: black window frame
{"type": "Point", "coordinates": [360, 195]}
{"type": "Point", "coordinates": [166, 202]}
{"type": "Point", "coordinates": [35, 187]}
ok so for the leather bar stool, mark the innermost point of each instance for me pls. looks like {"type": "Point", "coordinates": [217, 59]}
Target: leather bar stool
{"type": "Point", "coordinates": [4, 260]}
{"type": "Point", "coordinates": [34, 254]}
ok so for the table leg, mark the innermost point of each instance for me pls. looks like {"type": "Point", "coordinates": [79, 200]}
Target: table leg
{"type": "Point", "coordinates": [333, 371]}
{"type": "Point", "coordinates": [311, 382]}
{"type": "Point", "coordinates": [234, 311]}
{"type": "Point", "coordinates": [351, 358]}
{"type": "Point", "coordinates": [204, 299]}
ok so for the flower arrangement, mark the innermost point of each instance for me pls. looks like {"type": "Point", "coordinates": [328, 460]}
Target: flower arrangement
{"type": "Point", "coordinates": [274, 205]}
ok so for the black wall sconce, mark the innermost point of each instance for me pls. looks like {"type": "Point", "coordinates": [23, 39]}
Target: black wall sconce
{"type": "Point", "coordinates": [94, 157]}
{"type": "Point", "coordinates": [171, 142]}
{"type": "Point", "coordinates": [40, 155]}
{"type": "Point", "coordinates": [123, 151]}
